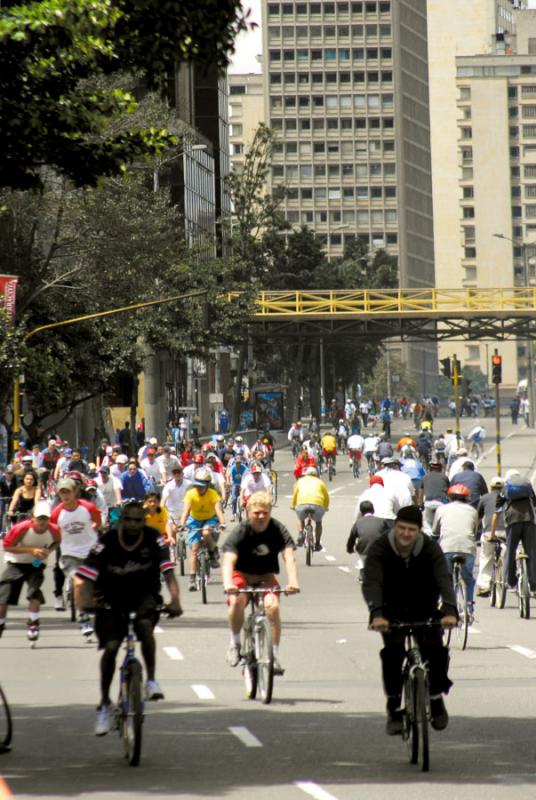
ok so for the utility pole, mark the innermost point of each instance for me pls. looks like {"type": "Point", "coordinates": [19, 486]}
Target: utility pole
{"type": "Point", "coordinates": [455, 381]}
{"type": "Point", "coordinates": [496, 376]}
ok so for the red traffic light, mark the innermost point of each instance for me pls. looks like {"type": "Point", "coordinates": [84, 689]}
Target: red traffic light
{"type": "Point", "coordinates": [496, 361]}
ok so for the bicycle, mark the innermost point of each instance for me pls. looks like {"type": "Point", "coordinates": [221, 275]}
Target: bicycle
{"type": "Point", "coordinates": [256, 647]}
{"type": "Point", "coordinates": [130, 705]}
{"type": "Point", "coordinates": [464, 615]}
{"type": "Point", "coordinates": [273, 479]}
{"type": "Point", "coordinates": [330, 466]}
{"type": "Point", "coordinates": [296, 448]}
{"type": "Point", "coordinates": [416, 696]}
{"type": "Point", "coordinates": [523, 586]}
{"type": "Point", "coordinates": [355, 456]}
{"type": "Point", "coordinates": [6, 723]}
{"type": "Point", "coordinates": [498, 586]}
{"type": "Point", "coordinates": [178, 550]}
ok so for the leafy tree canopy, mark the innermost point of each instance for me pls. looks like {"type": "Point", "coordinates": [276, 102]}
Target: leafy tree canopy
{"type": "Point", "coordinates": [53, 113]}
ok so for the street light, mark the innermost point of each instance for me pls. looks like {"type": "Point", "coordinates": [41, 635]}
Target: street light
{"type": "Point", "coordinates": [528, 342]}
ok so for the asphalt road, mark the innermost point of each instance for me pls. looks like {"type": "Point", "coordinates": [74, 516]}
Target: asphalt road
{"type": "Point", "coordinates": [323, 734]}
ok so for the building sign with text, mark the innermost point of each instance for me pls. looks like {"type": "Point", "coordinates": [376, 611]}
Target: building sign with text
{"type": "Point", "coordinates": [8, 290]}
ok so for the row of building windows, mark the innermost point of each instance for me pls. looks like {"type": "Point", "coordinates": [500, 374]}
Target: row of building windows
{"type": "Point", "coordinates": [291, 32]}
{"type": "Point", "coordinates": [329, 9]}
{"type": "Point", "coordinates": [363, 148]}
{"type": "Point", "coordinates": [329, 54]}
{"type": "Point", "coordinates": [332, 123]}
{"type": "Point", "coordinates": [468, 212]}
{"type": "Point", "coordinates": [361, 218]}
{"type": "Point", "coordinates": [333, 101]}
{"type": "Point", "coordinates": [306, 78]}
{"type": "Point", "coordinates": [293, 171]}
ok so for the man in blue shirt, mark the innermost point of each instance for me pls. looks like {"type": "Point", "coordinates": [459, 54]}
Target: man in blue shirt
{"type": "Point", "coordinates": [134, 483]}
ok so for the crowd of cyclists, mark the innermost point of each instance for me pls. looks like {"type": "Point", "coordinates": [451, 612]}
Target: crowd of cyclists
{"type": "Point", "coordinates": [57, 504]}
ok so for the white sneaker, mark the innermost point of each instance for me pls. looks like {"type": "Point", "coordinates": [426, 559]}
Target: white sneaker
{"type": "Point", "coordinates": [233, 655]}
{"type": "Point", "coordinates": [59, 605]}
{"type": "Point", "coordinates": [153, 691]}
{"type": "Point", "coordinates": [103, 723]}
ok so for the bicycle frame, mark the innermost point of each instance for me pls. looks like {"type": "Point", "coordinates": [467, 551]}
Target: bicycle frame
{"type": "Point", "coordinates": [257, 649]}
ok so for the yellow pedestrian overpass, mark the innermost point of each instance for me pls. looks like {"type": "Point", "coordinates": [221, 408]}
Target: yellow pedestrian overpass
{"type": "Point", "coordinates": [409, 314]}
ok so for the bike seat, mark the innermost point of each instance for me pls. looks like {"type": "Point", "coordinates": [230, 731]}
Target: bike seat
{"type": "Point", "coordinates": [458, 560]}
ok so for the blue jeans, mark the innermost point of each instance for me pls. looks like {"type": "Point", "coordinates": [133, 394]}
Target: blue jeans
{"type": "Point", "coordinates": [466, 570]}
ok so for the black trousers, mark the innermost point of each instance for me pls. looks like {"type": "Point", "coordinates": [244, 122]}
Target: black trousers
{"type": "Point", "coordinates": [521, 532]}
{"type": "Point", "coordinates": [430, 641]}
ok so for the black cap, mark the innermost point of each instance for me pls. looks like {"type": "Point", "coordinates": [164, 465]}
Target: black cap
{"type": "Point", "coordinates": [410, 514]}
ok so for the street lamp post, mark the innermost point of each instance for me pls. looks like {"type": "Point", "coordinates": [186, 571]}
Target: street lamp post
{"type": "Point", "coordinates": [528, 341]}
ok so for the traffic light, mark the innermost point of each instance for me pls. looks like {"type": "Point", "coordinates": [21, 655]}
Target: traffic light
{"type": "Point", "coordinates": [466, 387]}
{"type": "Point", "coordinates": [458, 368]}
{"type": "Point", "coordinates": [496, 368]}
{"type": "Point", "coordinates": [445, 367]}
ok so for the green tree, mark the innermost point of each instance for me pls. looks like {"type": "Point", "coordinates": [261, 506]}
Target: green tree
{"type": "Point", "coordinates": [52, 110]}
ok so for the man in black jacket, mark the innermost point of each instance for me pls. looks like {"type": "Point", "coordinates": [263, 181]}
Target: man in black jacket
{"type": "Point", "coordinates": [405, 575]}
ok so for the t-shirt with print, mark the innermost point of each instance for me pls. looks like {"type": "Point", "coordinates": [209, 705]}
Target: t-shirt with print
{"type": "Point", "coordinates": [78, 535]}
{"type": "Point", "coordinates": [258, 552]}
{"type": "Point", "coordinates": [124, 578]}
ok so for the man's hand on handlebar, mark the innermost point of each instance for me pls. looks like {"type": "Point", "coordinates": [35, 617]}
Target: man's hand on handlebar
{"type": "Point", "coordinates": [290, 589]}
{"type": "Point", "coordinates": [379, 624]}
{"type": "Point", "coordinates": [173, 609]}
{"type": "Point", "coordinates": [449, 621]}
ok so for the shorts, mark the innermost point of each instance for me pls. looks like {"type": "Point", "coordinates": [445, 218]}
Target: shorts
{"type": "Point", "coordinates": [310, 510]}
{"type": "Point", "coordinates": [70, 564]}
{"type": "Point", "coordinates": [195, 526]}
{"type": "Point", "coordinates": [240, 581]}
{"type": "Point", "coordinates": [12, 581]}
{"type": "Point", "coordinates": [357, 454]}
{"type": "Point", "coordinates": [111, 624]}
{"type": "Point", "coordinates": [329, 453]}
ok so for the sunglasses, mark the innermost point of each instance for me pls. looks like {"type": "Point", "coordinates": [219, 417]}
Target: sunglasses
{"type": "Point", "coordinates": [133, 519]}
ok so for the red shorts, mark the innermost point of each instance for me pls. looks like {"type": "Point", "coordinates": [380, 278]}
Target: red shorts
{"type": "Point", "coordinates": [355, 454]}
{"type": "Point", "coordinates": [329, 453]}
{"type": "Point", "coordinates": [240, 582]}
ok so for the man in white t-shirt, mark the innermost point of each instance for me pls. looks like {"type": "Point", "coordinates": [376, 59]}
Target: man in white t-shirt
{"type": "Point", "coordinates": [166, 462]}
{"type": "Point", "coordinates": [110, 488]}
{"type": "Point", "coordinates": [397, 483]}
{"type": "Point", "coordinates": [151, 467]}
{"type": "Point", "coordinates": [173, 494]}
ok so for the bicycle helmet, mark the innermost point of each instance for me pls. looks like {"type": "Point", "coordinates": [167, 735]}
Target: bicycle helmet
{"type": "Point", "coordinates": [255, 468]}
{"type": "Point", "coordinates": [75, 476]}
{"type": "Point", "coordinates": [202, 477]}
{"type": "Point", "coordinates": [311, 471]}
{"type": "Point", "coordinates": [239, 439]}
{"type": "Point", "coordinates": [199, 458]}
{"type": "Point", "coordinates": [459, 490]}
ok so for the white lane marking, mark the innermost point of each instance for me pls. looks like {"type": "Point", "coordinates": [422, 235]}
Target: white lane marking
{"type": "Point", "coordinates": [344, 569]}
{"type": "Point", "coordinates": [314, 790]}
{"type": "Point", "coordinates": [245, 736]}
{"type": "Point", "coordinates": [523, 651]}
{"type": "Point", "coordinates": [158, 629]}
{"type": "Point", "coordinates": [473, 630]}
{"type": "Point", "coordinates": [330, 558]}
{"type": "Point", "coordinates": [338, 489]}
{"type": "Point", "coordinates": [203, 692]}
{"type": "Point", "coordinates": [174, 653]}
{"type": "Point", "coordinates": [342, 641]}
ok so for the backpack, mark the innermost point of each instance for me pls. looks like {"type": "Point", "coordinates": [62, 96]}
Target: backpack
{"type": "Point", "coordinates": [517, 489]}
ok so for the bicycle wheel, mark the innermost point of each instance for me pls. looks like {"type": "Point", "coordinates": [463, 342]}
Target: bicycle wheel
{"type": "Point", "coordinates": [133, 714]}
{"type": "Point", "coordinates": [6, 723]}
{"type": "Point", "coordinates": [524, 590]}
{"type": "Point", "coordinates": [493, 586]}
{"type": "Point", "coordinates": [70, 595]}
{"type": "Point", "coordinates": [249, 667]}
{"type": "Point", "coordinates": [264, 656]}
{"type": "Point", "coordinates": [500, 578]}
{"type": "Point", "coordinates": [330, 470]}
{"type": "Point", "coordinates": [273, 476]}
{"type": "Point", "coordinates": [181, 555]}
{"type": "Point", "coordinates": [462, 629]}
{"type": "Point", "coordinates": [411, 728]}
{"type": "Point", "coordinates": [421, 716]}
{"type": "Point", "coordinates": [308, 544]}
{"type": "Point", "coordinates": [203, 576]}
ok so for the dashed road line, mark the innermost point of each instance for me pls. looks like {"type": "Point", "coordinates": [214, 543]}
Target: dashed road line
{"type": "Point", "coordinates": [174, 653]}
{"type": "Point", "coordinates": [523, 651]}
{"type": "Point", "coordinates": [158, 629]}
{"type": "Point", "coordinates": [203, 692]}
{"type": "Point", "coordinates": [330, 558]}
{"type": "Point", "coordinates": [342, 641]}
{"type": "Point", "coordinates": [314, 790]}
{"type": "Point", "coordinates": [338, 489]}
{"type": "Point", "coordinates": [245, 736]}
{"type": "Point", "coordinates": [344, 569]}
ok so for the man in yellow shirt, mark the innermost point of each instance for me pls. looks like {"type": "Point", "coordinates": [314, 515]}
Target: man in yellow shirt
{"type": "Point", "coordinates": [310, 499]}
{"type": "Point", "coordinates": [328, 443]}
{"type": "Point", "coordinates": [201, 512]}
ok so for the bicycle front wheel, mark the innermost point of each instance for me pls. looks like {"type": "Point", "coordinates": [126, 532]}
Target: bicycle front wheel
{"type": "Point", "coordinates": [421, 716]}
{"type": "Point", "coordinates": [6, 723]}
{"type": "Point", "coordinates": [181, 555]}
{"type": "Point", "coordinates": [273, 476]}
{"type": "Point", "coordinates": [249, 668]}
{"type": "Point", "coordinates": [411, 728]}
{"type": "Point", "coordinates": [264, 655]}
{"type": "Point", "coordinates": [500, 579]}
{"type": "Point", "coordinates": [203, 577]}
{"type": "Point", "coordinates": [133, 715]}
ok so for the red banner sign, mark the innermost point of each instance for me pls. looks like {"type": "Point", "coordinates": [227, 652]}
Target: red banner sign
{"type": "Point", "coordinates": [8, 288]}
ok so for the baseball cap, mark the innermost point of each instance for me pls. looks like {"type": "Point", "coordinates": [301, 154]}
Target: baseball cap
{"type": "Point", "coordinates": [122, 459]}
{"type": "Point", "coordinates": [104, 469]}
{"type": "Point", "coordinates": [27, 459]}
{"type": "Point", "coordinates": [65, 483]}
{"type": "Point", "coordinates": [41, 509]}
{"type": "Point", "coordinates": [151, 451]}
{"type": "Point", "coordinates": [256, 468]}
{"type": "Point", "coordinates": [410, 514]}
{"type": "Point", "coordinates": [52, 442]}
{"type": "Point", "coordinates": [376, 479]}
{"type": "Point", "coordinates": [10, 468]}
{"type": "Point", "coordinates": [388, 460]}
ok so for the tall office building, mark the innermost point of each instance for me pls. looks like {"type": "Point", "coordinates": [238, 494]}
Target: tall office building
{"type": "Point", "coordinates": [246, 103]}
{"type": "Point", "coordinates": [475, 185]}
{"type": "Point", "coordinates": [346, 88]}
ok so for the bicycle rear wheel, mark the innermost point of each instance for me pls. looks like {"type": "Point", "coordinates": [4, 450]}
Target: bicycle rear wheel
{"type": "Point", "coordinates": [6, 723]}
{"type": "Point", "coordinates": [70, 595]}
{"type": "Point", "coordinates": [523, 590]}
{"type": "Point", "coordinates": [273, 476]}
{"type": "Point", "coordinates": [502, 586]}
{"type": "Point", "coordinates": [462, 629]}
{"type": "Point", "coordinates": [249, 668]}
{"type": "Point", "coordinates": [308, 544]}
{"type": "Point", "coordinates": [493, 594]}
{"type": "Point", "coordinates": [264, 655]}
{"type": "Point", "coordinates": [133, 715]}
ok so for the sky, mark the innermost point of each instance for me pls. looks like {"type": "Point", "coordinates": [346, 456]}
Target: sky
{"type": "Point", "coordinates": [249, 45]}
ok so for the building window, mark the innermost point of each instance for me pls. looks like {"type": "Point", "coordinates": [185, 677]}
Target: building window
{"type": "Point", "coordinates": [289, 77]}
{"type": "Point", "coordinates": [274, 55]}
{"type": "Point", "coordinates": [319, 147]}
{"type": "Point", "coordinates": [291, 148]}
{"type": "Point", "coordinates": [333, 124]}
{"type": "Point", "coordinates": [273, 9]}
{"type": "Point", "coordinates": [317, 77]}
{"type": "Point", "coordinates": [529, 131]}
{"type": "Point", "coordinates": [306, 194]}
{"type": "Point", "coordinates": [275, 78]}
{"type": "Point", "coordinates": [467, 133]}
{"type": "Point", "coordinates": [390, 191]}
{"type": "Point", "coordinates": [318, 100]}
{"type": "Point", "coordinates": [468, 191]}
{"type": "Point", "coordinates": [330, 54]}
{"type": "Point", "coordinates": [237, 89]}
{"type": "Point", "coordinates": [346, 124]}
{"type": "Point", "coordinates": [468, 212]}
{"type": "Point", "coordinates": [237, 148]}
{"type": "Point", "coordinates": [305, 124]}
{"type": "Point", "coordinates": [290, 125]}
{"type": "Point", "coordinates": [376, 192]}
{"type": "Point", "coordinates": [318, 124]}
{"type": "Point", "coordinates": [278, 171]}
{"type": "Point", "coordinates": [348, 192]}
{"type": "Point", "coordinates": [470, 252]}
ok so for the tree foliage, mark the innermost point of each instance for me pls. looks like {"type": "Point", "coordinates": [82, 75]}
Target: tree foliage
{"type": "Point", "coordinates": [52, 110]}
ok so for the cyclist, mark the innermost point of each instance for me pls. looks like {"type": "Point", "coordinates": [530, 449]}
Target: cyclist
{"type": "Point", "coordinates": [111, 491]}
{"type": "Point", "coordinates": [241, 448]}
{"type": "Point", "coordinates": [151, 468]}
{"type": "Point", "coordinates": [355, 445]}
{"type": "Point", "coordinates": [303, 461]}
{"type": "Point", "coordinates": [254, 480]}
{"type": "Point", "coordinates": [366, 529]}
{"type": "Point", "coordinates": [201, 512]}
{"type": "Point", "coordinates": [27, 546]}
{"type": "Point", "coordinates": [173, 497]}
{"type": "Point", "coordinates": [520, 521]}
{"type": "Point", "coordinates": [25, 497]}
{"type": "Point", "coordinates": [396, 482]}
{"type": "Point", "coordinates": [250, 558]}
{"type": "Point", "coordinates": [295, 437]}
{"type": "Point", "coordinates": [156, 515]}
{"type": "Point", "coordinates": [134, 483]}
{"type": "Point", "coordinates": [370, 448]}
{"type": "Point", "coordinates": [166, 461]}
{"type": "Point", "coordinates": [197, 462]}
{"type": "Point", "coordinates": [435, 492]}
{"type": "Point", "coordinates": [234, 475]}
{"type": "Point", "coordinates": [310, 499]}
{"type": "Point", "coordinates": [122, 574]}
{"type": "Point", "coordinates": [269, 442]}
{"type": "Point", "coordinates": [456, 526]}
{"type": "Point", "coordinates": [79, 522]}
{"type": "Point", "coordinates": [385, 503]}
{"type": "Point", "coordinates": [48, 459]}
{"type": "Point", "coordinates": [405, 574]}
{"type": "Point", "coordinates": [342, 435]}
{"type": "Point", "coordinates": [328, 443]}
{"type": "Point", "coordinates": [474, 481]}
{"type": "Point", "coordinates": [486, 509]}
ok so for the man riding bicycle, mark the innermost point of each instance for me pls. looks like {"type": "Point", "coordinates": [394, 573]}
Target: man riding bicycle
{"type": "Point", "coordinates": [328, 443]}
{"type": "Point", "coordinates": [250, 558]}
{"type": "Point", "coordinates": [310, 499]}
{"type": "Point", "coordinates": [201, 513]}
